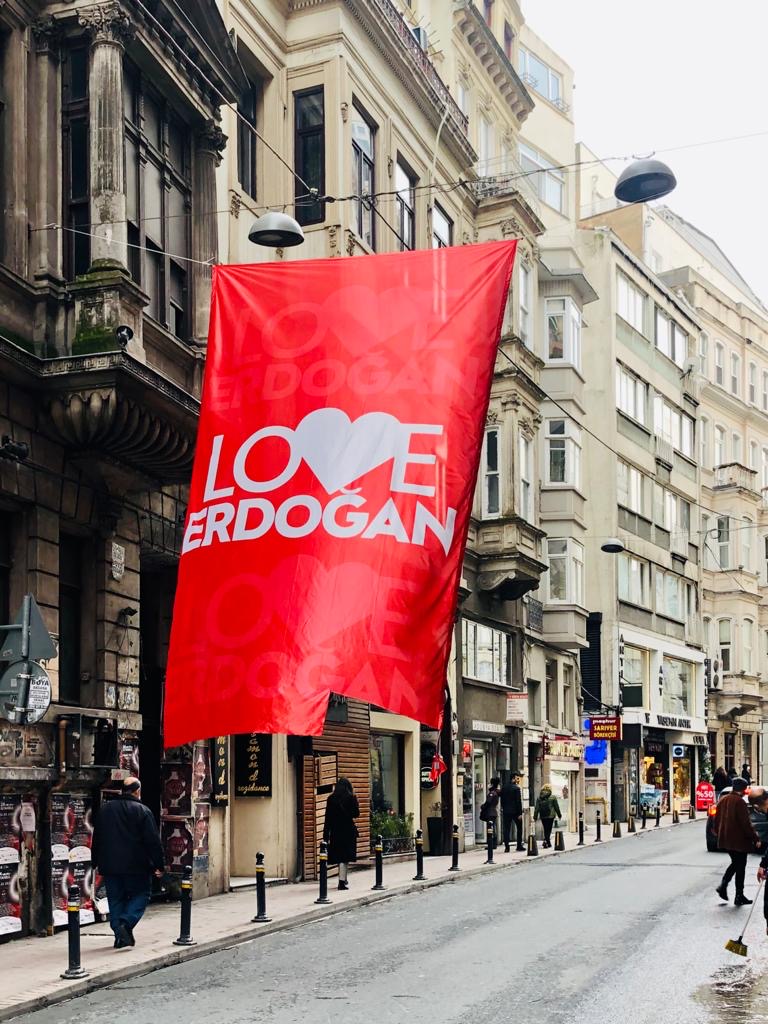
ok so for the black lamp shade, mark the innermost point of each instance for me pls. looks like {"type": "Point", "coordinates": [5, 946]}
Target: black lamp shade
{"type": "Point", "coordinates": [276, 229]}
{"type": "Point", "coordinates": [644, 180]}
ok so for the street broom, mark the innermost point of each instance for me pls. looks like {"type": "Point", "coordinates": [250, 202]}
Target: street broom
{"type": "Point", "coordinates": [736, 945]}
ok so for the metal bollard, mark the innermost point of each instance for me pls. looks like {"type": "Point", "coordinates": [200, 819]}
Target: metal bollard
{"type": "Point", "coordinates": [617, 829]}
{"type": "Point", "coordinates": [490, 833]}
{"type": "Point", "coordinates": [455, 850]}
{"type": "Point", "coordinates": [642, 826]}
{"type": "Point", "coordinates": [692, 812]}
{"type": "Point", "coordinates": [185, 936]}
{"type": "Point", "coordinates": [675, 817]}
{"type": "Point", "coordinates": [379, 848]}
{"type": "Point", "coordinates": [261, 892]}
{"type": "Point", "coordinates": [323, 860]}
{"type": "Point", "coordinates": [658, 816]}
{"type": "Point", "coordinates": [74, 970]}
{"type": "Point", "coordinates": [533, 846]}
{"type": "Point", "coordinates": [419, 876]}
{"type": "Point", "coordinates": [598, 838]}
{"type": "Point", "coordinates": [581, 828]}
{"type": "Point", "coordinates": [631, 824]}
{"type": "Point", "coordinates": [559, 841]}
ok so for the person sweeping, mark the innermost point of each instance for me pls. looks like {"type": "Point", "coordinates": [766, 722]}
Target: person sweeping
{"type": "Point", "coordinates": [735, 835]}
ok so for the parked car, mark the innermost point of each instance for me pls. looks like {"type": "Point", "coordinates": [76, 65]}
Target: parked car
{"type": "Point", "coordinates": [759, 820]}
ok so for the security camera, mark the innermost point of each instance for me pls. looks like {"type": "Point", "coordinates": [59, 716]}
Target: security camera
{"type": "Point", "coordinates": [128, 613]}
{"type": "Point", "coordinates": [123, 333]}
{"type": "Point", "coordinates": [17, 451]}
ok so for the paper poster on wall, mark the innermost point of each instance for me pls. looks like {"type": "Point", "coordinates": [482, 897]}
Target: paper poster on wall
{"type": "Point", "coordinates": [59, 882]}
{"type": "Point", "coordinates": [175, 790]}
{"type": "Point", "coordinates": [178, 844]}
{"type": "Point", "coordinates": [10, 901]}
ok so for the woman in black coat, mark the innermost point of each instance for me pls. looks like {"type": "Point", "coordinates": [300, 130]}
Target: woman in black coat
{"type": "Point", "coordinates": [340, 831]}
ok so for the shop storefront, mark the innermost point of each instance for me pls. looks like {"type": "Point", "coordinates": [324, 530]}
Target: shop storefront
{"type": "Point", "coordinates": [654, 773]}
{"type": "Point", "coordinates": [563, 758]}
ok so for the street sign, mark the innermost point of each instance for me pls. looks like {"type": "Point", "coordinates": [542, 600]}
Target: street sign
{"type": "Point", "coordinates": [41, 644]}
{"type": "Point", "coordinates": [38, 695]}
{"type": "Point", "coordinates": [605, 727]}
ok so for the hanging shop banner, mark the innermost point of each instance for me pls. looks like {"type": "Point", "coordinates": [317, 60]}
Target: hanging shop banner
{"type": "Point", "coordinates": [605, 727]}
{"type": "Point", "coordinates": [220, 757]}
{"type": "Point", "coordinates": [253, 765]}
{"type": "Point", "coordinates": [337, 452]}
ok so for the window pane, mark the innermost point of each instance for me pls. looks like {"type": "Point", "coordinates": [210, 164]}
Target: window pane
{"type": "Point", "coordinates": [177, 223]}
{"type": "Point", "coordinates": [153, 199]}
{"type": "Point", "coordinates": [557, 462]}
{"type": "Point", "coordinates": [556, 343]}
{"type": "Point", "coordinates": [152, 121]}
{"type": "Point", "coordinates": [78, 149]}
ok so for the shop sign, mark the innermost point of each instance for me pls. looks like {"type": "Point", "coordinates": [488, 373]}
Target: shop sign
{"type": "Point", "coordinates": [476, 725]}
{"type": "Point", "coordinates": [517, 708]}
{"type": "Point", "coordinates": [678, 750]}
{"type": "Point", "coordinates": [605, 727]}
{"type": "Point", "coordinates": [705, 796]}
{"type": "Point", "coordinates": [563, 748]}
{"type": "Point", "coordinates": [220, 771]}
{"type": "Point", "coordinates": [338, 709]}
{"type": "Point", "coordinates": [253, 764]}
{"type": "Point", "coordinates": [668, 721]}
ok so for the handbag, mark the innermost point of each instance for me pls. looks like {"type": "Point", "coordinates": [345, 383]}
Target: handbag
{"type": "Point", "coordinates": [484, 811]}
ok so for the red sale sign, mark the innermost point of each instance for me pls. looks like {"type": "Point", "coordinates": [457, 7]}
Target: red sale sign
{"type": "Point", "coordinates": [339, 439]}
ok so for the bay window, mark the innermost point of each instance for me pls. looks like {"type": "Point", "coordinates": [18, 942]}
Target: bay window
{"type": "Point", "coordinates": [631, 394]}
{"type": "Point", "coordinates": [674, 426]}
{"type": "Point", "coordinates": [549, 182]}
{"type": "Point", "coordinates": [563, 444]}
{"type": "Point", "coordinates": [563, 331]}
{"type": "Point", "coordinates": [724, 542]}
{"type": "Point", "coordinates": [724, 643]}
{"type": "Point", "coordinates": [491, 475]}
{"type": "Point", "coordinates": [671, 597]}
{"type": "Point", "coordinates": [671, 339]}
{"type": "Point", "coordinates": [309, 153]}
{"type": "Point", "coordinates": [526, 489]}
{"type": "Point", "coordinates": [631, 302]}
{"type": "Point", "coordinates": [158, 201]}
{"type": "Point", "coordinates": [364, 175]}
{"type": "Point", "coordinates": [633, 579]}
{"type": "Point", "coordinates": [485, 653]}
{"type": "Point", "coordinates": [540, 76]}
{"type": "Point", "coordinates": [565, 579]}
{"type": "Point", "coordinates": [405, 203]}
{"type": "Point", "coordinates": [635, 676]}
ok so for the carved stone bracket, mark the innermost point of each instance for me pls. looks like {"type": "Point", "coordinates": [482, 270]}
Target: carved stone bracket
{"type": "Point", "coordinates": [47, 34]}
{"type": "Point", "coordinates": [106, 23]}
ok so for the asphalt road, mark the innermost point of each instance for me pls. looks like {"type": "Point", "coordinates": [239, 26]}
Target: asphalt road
{"type": "Point", "coordinates": [628, 933]}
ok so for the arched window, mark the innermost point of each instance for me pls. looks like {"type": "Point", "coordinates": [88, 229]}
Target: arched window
{"type": "Point", "coordinates": [719, 364]}
{"type": "Point", "coordinates": [724, 643]}
{"type": "Point", "coordinates": [720, 454]}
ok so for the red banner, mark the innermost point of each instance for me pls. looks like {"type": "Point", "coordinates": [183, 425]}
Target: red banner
{"type": "Point", "coordinates": [339, 439]}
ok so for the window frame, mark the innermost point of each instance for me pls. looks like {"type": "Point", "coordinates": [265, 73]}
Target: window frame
{"type": "Point", "coordinates": [735, 374]}
{"type": "Point", "coordinates": [552, 77]}
{"type": "Point", "coordinates": [570, 315]}
{"type": "Point", "coordinates": [570, 440]}
{"type": "Point", "coordinates": [572, 555]}
{"type": "Point", "coordinates": [525, 478]}
{"type": "Point", "coordinates": [635, 382]}
{"type": "Point", "coordinates": [630, 568]}
{"type": "Point", "coordinates": [501, 661]}
{"type": "Point", "coordinates": [247, 149]}
{"type": "Point", "coordinates": [634, 491]}
{"type": "Point", "coordinates": [719, 364]}
{"type": "Point", "coordinates": [524, 305]}
{"type": "Point", "coordinates": [363, 174]}
{"type": "Point", "coordinates": [725, 646]}
{"type": "Point", "coordinates": [405, 206]}
{"type": "Point", "coordinates": [628, 296]}
{"type": "Point", "coordinates": [543, 175]}
{"type": "Point", "coordinates": [486, 473]}
{"type": "Point", "coordinates": [438, 241]}
{"type": "Point", "coordinates": [308, 213]}
{"type": "Point", "coordinates": [77, 207]}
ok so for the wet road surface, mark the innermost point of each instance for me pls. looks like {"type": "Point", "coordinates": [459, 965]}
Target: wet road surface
{"type": "Point", "coordinates": [629, 933]}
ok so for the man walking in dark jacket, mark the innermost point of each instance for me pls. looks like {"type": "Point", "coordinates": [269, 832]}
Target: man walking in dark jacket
{"type": "Point", "coordinates": [127, 850]}
{"type": "Point", "coordinates": [735, 835]}
{"type": "Point", "coordinates": [512, 809]}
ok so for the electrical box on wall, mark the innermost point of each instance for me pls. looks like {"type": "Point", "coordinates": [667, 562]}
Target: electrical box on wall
{"type": "Point", "coordinates": [90, 741]}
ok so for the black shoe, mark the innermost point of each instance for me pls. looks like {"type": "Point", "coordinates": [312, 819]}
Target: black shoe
{"type": "Point", "coordinates": [741, 901]}
{"type": "Point", "coordinates": [343, 885]}
{"type": "Point", "coordinates": [131, 939]}
{"type": "Point", "coordinates": [124, 938]}
{"type": "Point", "coordinates": [722, 892]}
{"type": "Point", "coordinates": [506, 849]}
{"type": "Point", "coordinates": [520, 849]}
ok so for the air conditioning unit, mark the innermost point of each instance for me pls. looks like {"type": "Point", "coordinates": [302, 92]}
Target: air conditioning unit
{"type": "Point", "coordinates": [421, 37]}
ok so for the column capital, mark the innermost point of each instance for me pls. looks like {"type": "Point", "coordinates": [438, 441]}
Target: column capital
{"type": "Point", "coordinates": [47, 33]}
{"type": "Point", "coordinates": [210, 138]}
{"type": "Point", "coordinates": [106, 23]}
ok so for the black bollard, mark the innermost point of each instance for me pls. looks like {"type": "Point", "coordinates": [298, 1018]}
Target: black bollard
{"type": "Point", "coordinates": [598, 838]}
{"type": "Point", "coordinates": [617, 829]}
{"type": "Point", "coordinates": [675, 817]}
{"type": "Point", "coordinates": [323, 859]}
{"type": "Point", "coordinates": [74, 970]}
{"type": "Point", "coordinates": [185, 931]}
{"type": "Point", "coordinates": [631, 828]}
{"type": "Point", "coordinates": [692, 812]}
{"type": "Point", "coordinates": [581, 828]}
{"type": "Point", "coordinates": [533, 846]}
{"type": "Point", "coordinates": [559, 841]}
{"type": "Point", "coordinates": [379, 848]}
{"type": "Point", "coordinates": [489, 835]}
{"type": "Point", "coordinates": [658, 816]}
{"type": "Point", "coordinates": [419, 876]}
{"type": "Point", "coordinates": [642, 826]}
{"type": "Point", "coordinates": [261, 892]}
{"type": "Point", "coordinates": [455, 850]}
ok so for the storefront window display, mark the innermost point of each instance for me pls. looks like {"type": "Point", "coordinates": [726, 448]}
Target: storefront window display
{"type": "Point", "coordinates": [654, 788]}
{"type": "Point", "coordinates": [681, 777]}
{"type": "Point", "coordinates": [481, 781]}
{"type": "Point", "coordinates": [678, 687]}
{"type": "Point", "coordinates": [386, 752]}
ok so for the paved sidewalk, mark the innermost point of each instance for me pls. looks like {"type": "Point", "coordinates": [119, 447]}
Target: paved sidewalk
{"type": "Point", "coordinates": [31, 967]}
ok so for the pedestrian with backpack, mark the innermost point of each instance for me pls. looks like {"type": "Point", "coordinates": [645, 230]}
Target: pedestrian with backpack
{"type": "Point", "coordinates": [548, 809]}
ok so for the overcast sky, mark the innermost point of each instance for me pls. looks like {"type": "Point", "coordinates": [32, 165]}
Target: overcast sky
{"type": "Point", "coordinates": [657, 74]}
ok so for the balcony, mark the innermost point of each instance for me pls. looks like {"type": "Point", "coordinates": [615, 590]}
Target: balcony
{"type": "Point", "coordinates": [733, 474]}
{"type": "Point", "coordinates": [514, 181]}
{"type": "Point", "coordinates": [383, 18]}
{"type": "Point", "coordinates": [506, 556]}
{"type": "Point", "coordinates": [739, 695]}
{"type": "Point", "coordinates": [663, 451]}
{"type": "Point", "coordinates": [504, 78]}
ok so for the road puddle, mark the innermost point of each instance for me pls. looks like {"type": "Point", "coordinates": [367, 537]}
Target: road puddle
{"type": "Point", "coordinates": [737, 993]}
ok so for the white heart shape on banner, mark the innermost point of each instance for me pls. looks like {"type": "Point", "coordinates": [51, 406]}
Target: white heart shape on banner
{"type": "Point", "coordinates": [339, 451]}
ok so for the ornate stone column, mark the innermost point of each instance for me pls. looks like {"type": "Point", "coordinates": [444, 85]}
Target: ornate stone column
{"type": "Point", "coordinates": [47, 245]}
{"type": "Point", "coordinates": [209, 145]}
{"type": "Point", "coordinates": [110, 29]}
